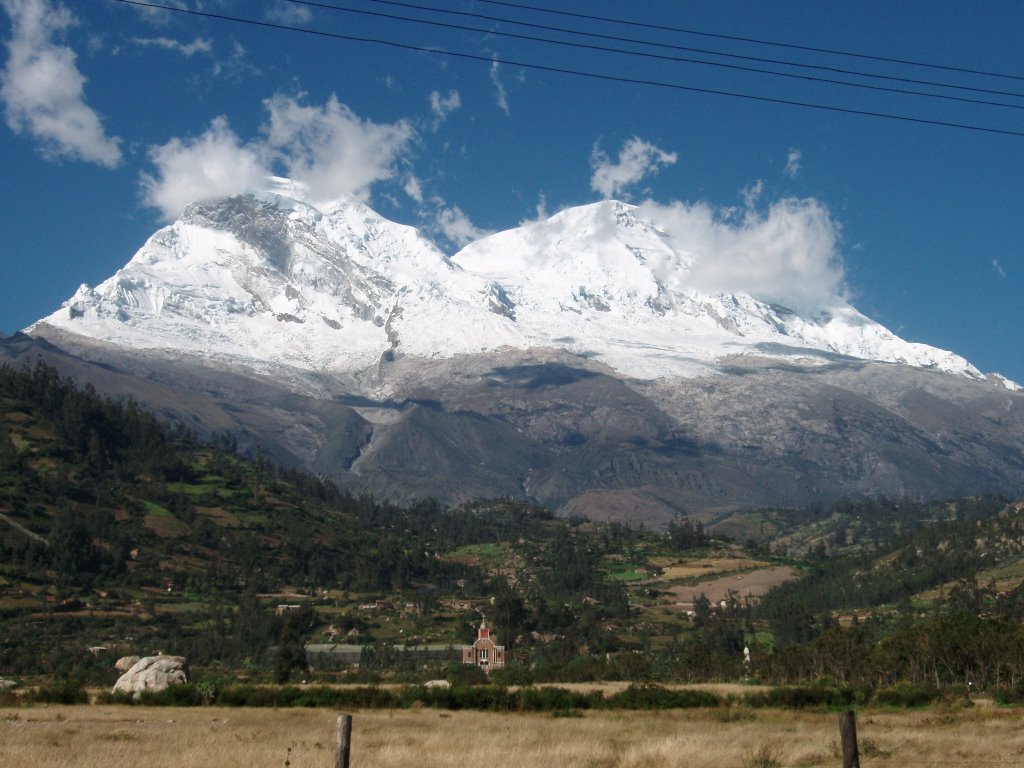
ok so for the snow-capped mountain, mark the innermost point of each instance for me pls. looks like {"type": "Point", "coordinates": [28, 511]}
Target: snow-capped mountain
{"type": "Point", "coordinates": [571, 361]}
{"type": "Point", "coordinates": [267, 280]}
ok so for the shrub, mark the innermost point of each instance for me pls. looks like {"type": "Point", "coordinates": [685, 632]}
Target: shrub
{"type": "Point", "coordinates": [555, 700]}
{"type": "Point", "coordinates": [66, 691]}
{"type": "Point", "coordinates": [656, 697]}
{"type": "Point", "coordinates": [184, 695]}
{"type": "Point", "coordinates": [802, 697]}
{"type": "Point", "coordinates": [116, 697]}
{"type": "Point", "coordinates": [258, 695]}
{"type": "Point", "coordinates": [906, 696]}
{"type": "Point", "coordinates": [1011, 694]}
{"type": "Point", "coordinates": [765, 756]}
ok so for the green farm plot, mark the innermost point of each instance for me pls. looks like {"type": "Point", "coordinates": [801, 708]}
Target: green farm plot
{"type": "Point", "coordinates": [258, 519]}
{"type": "Point", "coordinates": [155, 510]}
{"type": "Point", "coordinates": [627, 572]}
{"type": "Point", "coordinates": [211, 486]}
{"type": "Point", "coordinates": [478, 550]}
{"type": "Point", "coordinates": [483, 554]}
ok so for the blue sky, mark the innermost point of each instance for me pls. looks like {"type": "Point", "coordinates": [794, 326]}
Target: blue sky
{"type": "Point", "coordinates": [116, 115]}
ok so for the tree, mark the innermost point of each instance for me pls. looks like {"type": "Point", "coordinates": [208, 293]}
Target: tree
{"type": "Point", "coordinates": [291, 651]}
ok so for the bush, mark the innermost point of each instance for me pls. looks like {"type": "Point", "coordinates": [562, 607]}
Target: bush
{"type": "Point", "coordinates": [67, 691]}
{"type": "Point", "coordinates": [325, 697]}
{"type": "Point", "coordinates": [490, 698]}
{"type": "Point", "coordinates": [183, 695]}
{"type": "Point", "coordinates": [656, 697]}
{"type": "Point", "coordinates": [799, 697]}
{"type": "Point", "coordinates": [765, 756]}
{"type": "Point", "coordinates": [513, 675]}
{"type": "Point", "coordinates": [555, 700]}
{"type": "Point", "coordinates": [1010, 694]}
{"type": "Point", "coordinates": [115, 697]}
{"type": "Point", "coordinates": [907, 696]}
{"type": "Point", "coordinates": [365, 697]}
{"type": "Point", "coordinates": [258, 695]}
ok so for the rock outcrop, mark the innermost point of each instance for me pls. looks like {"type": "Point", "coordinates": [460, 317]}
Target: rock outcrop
{"type": "Point", "coordinates": [152, 674]}
{"type": "Point", "coordinates": [125, 663]}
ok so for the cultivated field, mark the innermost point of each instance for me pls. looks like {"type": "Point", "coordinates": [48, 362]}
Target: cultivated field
{"type": "Point", "coordinates": [141, 737]}
{"type": "Point", "coordinates": [747, 584]}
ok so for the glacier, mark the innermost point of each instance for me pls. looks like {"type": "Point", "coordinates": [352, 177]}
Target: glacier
{"type": "Point", "coordinates": [268, 281]}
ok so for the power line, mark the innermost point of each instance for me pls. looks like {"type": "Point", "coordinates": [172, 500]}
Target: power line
{"type": "Point", "coordinates": [831, 51]}
{"type": "Point", "coordinates": [565, 71]}
{"type": "Point", "coordinates": [669, 46]}
{"type": "Point", "coordinates": [662, 57]}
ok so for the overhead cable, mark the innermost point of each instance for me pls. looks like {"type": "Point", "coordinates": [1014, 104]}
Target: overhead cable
{"type": "Point", "coordinates": [492, 60]}
{"type": "Point", "coordinates": [794, 46]}
{"type": "Point", "coordinates": [674, 59]}
{"type": "Point", "coordinates": [669, 46]}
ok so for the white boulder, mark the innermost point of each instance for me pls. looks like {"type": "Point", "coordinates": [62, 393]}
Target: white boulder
{"type": "Point", "coordinates": [153, 674]}
{"type": "Point", "coordinates": [125, 663]}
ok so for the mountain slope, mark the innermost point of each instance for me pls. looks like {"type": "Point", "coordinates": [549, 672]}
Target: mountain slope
{"type": "Point", "coordinates": [567, 361]}
{"type": "Point", "coordinates": [266, 280]}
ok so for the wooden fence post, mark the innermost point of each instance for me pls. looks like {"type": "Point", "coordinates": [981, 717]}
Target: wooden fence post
{"type": "Point", "coordinates": [344, 739]}
{"type": "Point", "coordinates": [848, 738]}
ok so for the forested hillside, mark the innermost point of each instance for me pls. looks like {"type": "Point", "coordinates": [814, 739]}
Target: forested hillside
{"type": "Point", "coordinates": [121, 535]}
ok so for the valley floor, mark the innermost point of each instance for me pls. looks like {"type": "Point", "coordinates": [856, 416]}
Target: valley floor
{"type": "Point", "coordinates": [104, 736]}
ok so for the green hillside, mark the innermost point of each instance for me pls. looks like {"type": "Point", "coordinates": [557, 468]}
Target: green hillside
{"type": "Point", "coordinates": [120, 535]}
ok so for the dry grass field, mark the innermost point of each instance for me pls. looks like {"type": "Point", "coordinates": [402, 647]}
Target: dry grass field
{"type": "Point", "coordinates": [746, 584]}
{"type": "Point", "coordinates": [140, 737]}
{"type": "Point", "coordinates": [688, 569]}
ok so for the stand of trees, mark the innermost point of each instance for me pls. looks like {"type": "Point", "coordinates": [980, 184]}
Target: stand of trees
{"type": "Point", "coordinates": [105, 507]}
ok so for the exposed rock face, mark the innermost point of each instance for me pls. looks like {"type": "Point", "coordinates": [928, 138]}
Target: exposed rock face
{"type": "Point", "coordinates": [153, 674]}
{"type": "Point", "coordinates": [125, 663]}
{"type": "Point", "coordinates": [573, 435]}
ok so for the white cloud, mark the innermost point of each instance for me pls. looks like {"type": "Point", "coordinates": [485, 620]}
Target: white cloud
{"type": "Point", "coordinates": [289, 13]}
{"type": "Point", "coordinates": [637, 159]}
{"type": "Point", "coordinates": [793, 163]}
{"type": "Point", "coordinates": [452, 223]}
{"type": "Point", "coordinates": [752, 194]}
{"type": "Point", "coordinates": [199, 45]}
{"type": "Point", "coordinates": [998, 268]}
{"type": "Point", "coordinates": [216, 163]}
{"type": "Point", "coordinates": [329, 150]}
{"type": "Point", "coordinates": [413, 188]}
{"type": "Point", "coordinates": [442, 106]}
{"type": "Point", "coordinates": [540, 211]}
{"type": "Point", "coordinates": [455, 225]}
{"type": "Point", "coordinates": [236, 66]}
{"type": "Point", "coordinates": [158, 17]}
{"type": "Point", "coordinates": [43, 90]}
{"type": "Point", "coordinates": [787, 255]}
{"type": "Point", "coordinates": [499, 88]}
{"type": "Point", "coordinates": [332, 150]}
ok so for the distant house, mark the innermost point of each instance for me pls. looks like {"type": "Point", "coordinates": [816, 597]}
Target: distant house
{"type": "Point", "coordinates": [484, 653]}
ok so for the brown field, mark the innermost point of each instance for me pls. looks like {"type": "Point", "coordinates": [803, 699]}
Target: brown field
{"type": "Point", "coordinates": [746, 584]}
{"type": "Point", "coordinates": [709, 567]}
{"type": "Point", "coordinates": [141, 737]}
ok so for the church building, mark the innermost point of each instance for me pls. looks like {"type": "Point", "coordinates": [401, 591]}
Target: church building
{"type": "Point", "coordinates": [484, 653]}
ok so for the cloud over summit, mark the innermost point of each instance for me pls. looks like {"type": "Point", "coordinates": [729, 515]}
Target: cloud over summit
{"type": "Point", "coordinates": [787, 254]}
{"type": "Point", "coordinates": [329, 149]}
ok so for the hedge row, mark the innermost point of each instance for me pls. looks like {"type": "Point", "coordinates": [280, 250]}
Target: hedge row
{"type": "Point", "coordinates": [496, 698]}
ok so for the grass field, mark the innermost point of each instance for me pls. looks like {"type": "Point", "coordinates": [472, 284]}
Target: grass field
{"type": "Point", "coordinates": [130, 737]}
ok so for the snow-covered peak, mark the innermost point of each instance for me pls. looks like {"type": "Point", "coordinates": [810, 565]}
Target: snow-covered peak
{"type": "Point", "coordinates": [268, 280]}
